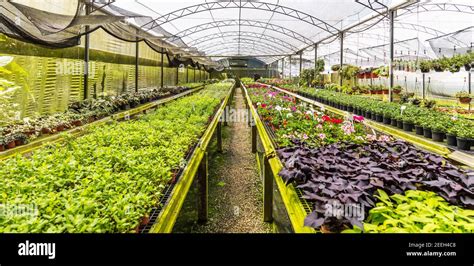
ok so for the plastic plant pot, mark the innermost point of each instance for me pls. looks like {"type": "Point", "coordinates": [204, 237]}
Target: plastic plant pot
{"type": "Point", "coordinates": [11, 144]}
{"type": "Point", "coordinates": [408, 127]}
{"type": "Point", "coordinates": [427, 133]}
{"type": "Point", "coordinates": [350, 109]}
{"type": "Point", "coordinates": [368, 114]}
{"type": "Point", "coordinates": [419, 130]}
{"type": "Point", "coordinates": [387, 120]}
{"type": "Point", "coordinates": [393, 122]}
{"type": "Point", "coordinates": [464, 144]}
{"type": "Point", "coordinates": [400, 124]}
{"type": "Point", "coordinates": [437, 136]}
{"type": "Point", "coordinates": [451, 140]}
{"type": "Point", "coordinates": [379, 118]}
{"type": "Point", "coordinates": [373, 116]}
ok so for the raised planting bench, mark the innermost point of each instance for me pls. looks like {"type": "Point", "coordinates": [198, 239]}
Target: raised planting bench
{"type": "Point", "coordinates": [78, 131]}
{"type": "Point", "coordinates": [163, 217]}
{"type": "Point", "coordinates": [282, 203]}
{"type": "Point", "coordinates": [424, 143]}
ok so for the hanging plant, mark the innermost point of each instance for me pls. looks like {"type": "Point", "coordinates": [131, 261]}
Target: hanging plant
{"type": "Point", "coordinates": [349, 71]}
{"type": "Point", "coordinates": [464, 97]}
{"type": "Point", "coordinates": [335, 68]}
{"type": "Point", "coordinates": [425, 66]}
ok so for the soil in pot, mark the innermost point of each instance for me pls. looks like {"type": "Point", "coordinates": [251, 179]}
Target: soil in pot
{"type": "Point", "coordinates": [19, 142]}
{"type": "Point", "coordinates": [451, 139]}
{"type": "Point", "coordinates": [437, 136]}
{"type": "Point", "coordinates": [408, 127]}
{"type": "Point", "coordinates": [400, 124]}
{"type": "Point", "coordinates": [2, 148]}
{"type": "Point", "coordinates": [60, 128]}
{"type": "Point", "coordinates": [427, 133]}
{"type": "Point", "coordinates": [45, 130]}
{"type": "Point", "coordinates": [387, 120]}
{"type": "Point", "coordinates": [464, 144]}
{"type": "Point", "coordinates": [419, 130]}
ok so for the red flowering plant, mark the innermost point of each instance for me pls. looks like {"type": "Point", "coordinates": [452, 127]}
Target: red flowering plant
{"type": "Point", "coordinates": [291, 121]}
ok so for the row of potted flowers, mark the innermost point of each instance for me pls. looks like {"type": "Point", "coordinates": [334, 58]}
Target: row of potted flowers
{"type": "Point", "coordinates": [292, 122]}
{"type": "Point", "coordinates": [78, 114]}
{"type": "Point", "coordinates": [426, 122]}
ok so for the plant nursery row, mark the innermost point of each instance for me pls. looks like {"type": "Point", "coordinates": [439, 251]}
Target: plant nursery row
{"type": "Point", "coordinates": [338, 161]}
{"type": "Point", "coordinates": [109, 179]}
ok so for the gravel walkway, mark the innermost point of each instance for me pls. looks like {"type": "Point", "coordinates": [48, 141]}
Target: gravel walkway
{"type": "Point", "coordinates": [235, 192]}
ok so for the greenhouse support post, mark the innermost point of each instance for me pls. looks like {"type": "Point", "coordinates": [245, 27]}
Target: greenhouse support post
{"type": "Point", "coordinates": [177, 75]}
{"type": "Point", "coordinates": [267, 191]}
{"type": "Point", "coordinates": [341, 58]}
{"type": "Point", "coordinates": [86, 55]}
{"type": "Point", "coordinates": [137, 58]}
{"type": "Point", "coordinates": [203, 190]}
{"type": "Point", "coordinates": [289, 63]}
{"type": "Point", "coordinates": [423, 86]}
{"type": "Point", "coordinates": [254, 138]}
{"type": "Point", "coordinates": [283, 68]}
{"type": "Point", "coordinates": [219, 135]}
{"type": "Point", "coordinates": [390, 69]}
{"type": "Point", "coordinates": [469, 85]}
{"type": "Point", "coordinates": [301, 62]}
{"type": "Point", "coordinates": [162, 72]}
{"type": "Point", "coordinates": [187, 74]}
{"type": "Point", "coordinates": [315, 60]}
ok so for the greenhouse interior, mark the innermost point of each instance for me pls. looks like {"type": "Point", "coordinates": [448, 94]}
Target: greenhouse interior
{"type": "Point", "coordinates": [232, 116]}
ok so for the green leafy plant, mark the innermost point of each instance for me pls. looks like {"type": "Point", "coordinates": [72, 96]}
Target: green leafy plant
{"type": "Point", "coordinates": [110, 178]}
{"type": "Point", "coordinates": [425, 66]}
{"type": "Point", "coordinates": [416, 212]}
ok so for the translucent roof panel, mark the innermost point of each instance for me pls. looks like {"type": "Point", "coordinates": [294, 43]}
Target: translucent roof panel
{"type": "Point", "coordinates": [295, 24]}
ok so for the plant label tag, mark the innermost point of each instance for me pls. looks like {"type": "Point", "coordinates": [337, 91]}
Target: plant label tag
{"type": "Point", "coordinates": [402, 108]}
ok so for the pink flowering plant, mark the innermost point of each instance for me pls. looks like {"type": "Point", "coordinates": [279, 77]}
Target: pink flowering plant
{"type": "Point", "coordinates": [292, 121]}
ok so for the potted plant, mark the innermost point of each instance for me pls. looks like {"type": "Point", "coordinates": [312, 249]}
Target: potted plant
{"type": "Point", "coordinates": [395, 116]}
{"type": "Point", "coordinates": [451, 135]}
{"type": "Point", "coordinates": [463, 97]}
{"type": "Point", "coordinates": [397, 89]}
{"type": "Point", "coordinates": [335, 68]}
{"type": "Point", "coordinates": [20, 139]}
{"type": "Point", "coordinates": [438, 129]}
{"type": "Point", "coordinates": [418, 128]}
{"type": "Point", "coordinates": [465, 137]}
{"type": "Point", "coordinates": [2, 143]}
{"type": "Point", "coordinates": [426, 124]}
{"type": "Point", "coordinates": [468, 60]}
{"type": "Point", "coordinates": [10, 141]}
{"type": "Point", "coordinates": [425, 66]}
{"type": "Point", "coordinates": [408, 122]}
{"type": "Point", "coordinates": [439, 65]}
{"type": "Point", "coordinates": [387, 116]}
